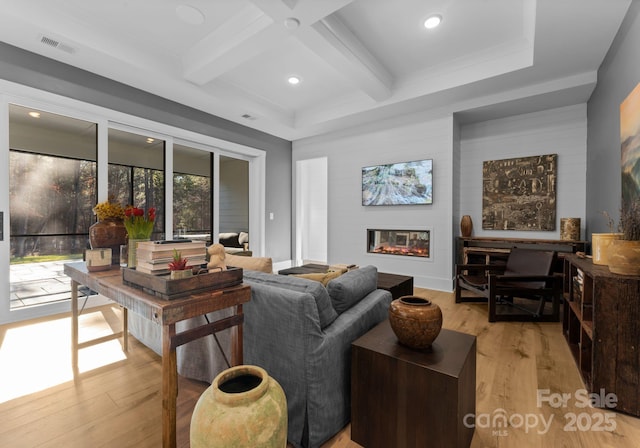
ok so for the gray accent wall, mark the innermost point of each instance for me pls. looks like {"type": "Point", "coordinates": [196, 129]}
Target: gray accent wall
{"type": "Point", "coordinates": [561, 131]}
{"type": "Point", "coordinates": [30, 69]}
{"type": "Point", "coordinates": [617, 76]}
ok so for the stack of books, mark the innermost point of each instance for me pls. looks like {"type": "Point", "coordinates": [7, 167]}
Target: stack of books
{"type": "Point", "coordinates": [153, 257]}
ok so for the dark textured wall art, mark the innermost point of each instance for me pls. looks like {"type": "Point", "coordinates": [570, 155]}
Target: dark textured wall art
{"type": "Point", "coordinates": [520, 193]}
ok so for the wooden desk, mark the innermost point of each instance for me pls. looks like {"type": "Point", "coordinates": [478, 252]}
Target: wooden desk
{"type": "Point", "coordinates": [402, 397]}
{"type": "Point", "coordinates": [165, 313]}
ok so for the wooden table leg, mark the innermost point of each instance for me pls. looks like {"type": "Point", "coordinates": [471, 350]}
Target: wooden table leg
{"type": "Point", "coordinates": [74, 328]}
{"type": "Point", "coordinates": [236, 341]}
{"type": "Point", "coordinates": [125, 329]}
{"type": "Point", "coordinates": [169, 387]}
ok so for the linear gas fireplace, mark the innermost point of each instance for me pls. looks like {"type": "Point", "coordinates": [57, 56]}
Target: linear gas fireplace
{"type": "Point", "coordinates": [409, 243]}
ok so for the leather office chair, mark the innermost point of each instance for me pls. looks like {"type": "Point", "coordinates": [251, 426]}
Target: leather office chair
{"type": "Point", "coordinates": [528, 276]}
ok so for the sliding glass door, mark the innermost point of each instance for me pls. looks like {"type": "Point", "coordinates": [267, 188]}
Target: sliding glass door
{"type": "Point", "coordinates": [52, 190]}
{"type": "Point", "coordinates": [61, 157]}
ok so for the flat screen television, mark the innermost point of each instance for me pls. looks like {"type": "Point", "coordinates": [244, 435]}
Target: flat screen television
{"type": "Point", "coordinates": [404, 183]}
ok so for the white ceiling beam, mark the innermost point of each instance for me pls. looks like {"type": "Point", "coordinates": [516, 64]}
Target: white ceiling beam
{"type": "Point", "coordinates": [258, 27]}
{"type": "Point", "coordinates": [239, 39]}
{"type": "Point", "coordinates": [307, 12]}
{"type": "Point", "coordinates": [334, 42]}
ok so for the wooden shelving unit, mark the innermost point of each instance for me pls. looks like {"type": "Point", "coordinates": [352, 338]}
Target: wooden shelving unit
{"type": "Point", "coordinates": [601, 324]}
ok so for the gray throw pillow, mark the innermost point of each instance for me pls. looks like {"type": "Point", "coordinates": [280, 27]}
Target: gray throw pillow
{"type": "Point", "coordinates": [351, 287]}
{"type": "Point", "coordinates": [326, 312]}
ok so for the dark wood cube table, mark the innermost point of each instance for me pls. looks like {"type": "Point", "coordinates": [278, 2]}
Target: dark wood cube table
{"type": "Point", "coordinates": [402, 397]}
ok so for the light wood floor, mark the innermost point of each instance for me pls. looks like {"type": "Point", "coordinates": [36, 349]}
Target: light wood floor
{"type": "Point", "coordinates": [116, 401]}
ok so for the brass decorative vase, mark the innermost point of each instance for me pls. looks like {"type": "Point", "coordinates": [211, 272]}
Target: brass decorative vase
{"type": "Point", "coordinates": [415, 321]}
{"type": "Point", "coordinates": [108, 234]}
{"type": "Point", "coordinates": [600, 244]}
{"type": "Point", "coordinates": [466, 226]}
{"type": "Point", "coordinates": [624, 257]}
{"type": "Point", "coordinates": [570, 229]}
{"type": "Point", "coordinates": [244, 406]}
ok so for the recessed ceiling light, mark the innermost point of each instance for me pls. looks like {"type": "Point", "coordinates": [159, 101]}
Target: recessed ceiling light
{"type": "Point", "coordinates": [432, 21]}
{"type": "Point", "coordinates": [291, 23]}
{"type": "Point", "coordinates": [294, 80]}
{"type": "Point", "coordinates": [34, 114]}
{"type": "Point", "coordinates": [189, 14]}
{"type": "Point", "coordinates": [150, 140]}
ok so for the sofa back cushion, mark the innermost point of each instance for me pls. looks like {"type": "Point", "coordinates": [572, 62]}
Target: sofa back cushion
{"type": "Point", "coordinates": [351, 287]}
{"type": "Point", "coordinates": [326, 312]}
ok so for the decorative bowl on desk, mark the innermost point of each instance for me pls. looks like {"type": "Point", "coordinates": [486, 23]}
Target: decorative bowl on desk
{"type": "Point", "coordinates": [98, 259]}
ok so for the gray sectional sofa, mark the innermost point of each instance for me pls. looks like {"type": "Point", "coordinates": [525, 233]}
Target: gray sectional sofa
{"type": "Point", "coordinates": [301, 333]}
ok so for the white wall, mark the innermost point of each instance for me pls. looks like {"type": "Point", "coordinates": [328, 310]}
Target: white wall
{"type": "Point", "coordinates": [311, 206]}
{"type": "Point", "coordinates": [458, 153]}
{"type": "Point", "coordinates": [234, 195]}
{"type": "Point", "coordinates": [560, 131]}
{"type": "Point", "coordinates": [399, 140]}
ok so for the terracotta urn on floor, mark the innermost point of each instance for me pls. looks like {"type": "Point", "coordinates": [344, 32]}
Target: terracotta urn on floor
{"type": "Point", "coordinates": [415, 321]}
{"type": "Point", "coordinates": [243, 407]}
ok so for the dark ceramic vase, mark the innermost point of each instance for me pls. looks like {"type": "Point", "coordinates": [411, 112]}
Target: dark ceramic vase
{"type": "Point", "coordinates": [109, 233]}
{"type": "Point", "coordinates": [415, 321]}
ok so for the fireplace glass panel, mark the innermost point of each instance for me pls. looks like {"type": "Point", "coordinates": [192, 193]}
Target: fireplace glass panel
{"type": "Point", "coordinates": [410, 243]}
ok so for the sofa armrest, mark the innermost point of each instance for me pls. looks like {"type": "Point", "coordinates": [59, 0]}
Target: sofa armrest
{"type": "Point", "coordinates": [329, 365]}
{"type": "Point", "coordinates": [280, 326]}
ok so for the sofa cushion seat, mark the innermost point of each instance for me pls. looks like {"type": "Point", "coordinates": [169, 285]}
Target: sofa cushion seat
{"type": "Point", "coordinates": [351, 287]}
{"type": "Point", "coordinates": [326, 313]}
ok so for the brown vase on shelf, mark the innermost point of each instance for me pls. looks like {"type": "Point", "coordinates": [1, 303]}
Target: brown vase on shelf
{"type": "Point", "coordinates": [624, 257]}
{"type": "Point", "coordinates": [600, 243]}
{"type": "Point", "coordinates": [466, 226]}
{"type": "Point", "coordinates": [415, 321]}
{"type": "Point", "coordinates": [108, 233]}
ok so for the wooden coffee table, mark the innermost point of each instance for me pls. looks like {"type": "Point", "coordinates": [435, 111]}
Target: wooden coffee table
{"type": "Point", "coordinates": [398, 285]}
{"type": "Point", "coordinates": [402, 397]}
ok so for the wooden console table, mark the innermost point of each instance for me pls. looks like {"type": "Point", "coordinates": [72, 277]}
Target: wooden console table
{"type": "Point", "coordinates": [494, 250]}
{"type": "Point", "coordinates": [165, 313]}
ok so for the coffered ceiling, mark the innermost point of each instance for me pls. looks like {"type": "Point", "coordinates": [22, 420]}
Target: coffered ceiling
{"type": "Point", "coordinates": [357, 60]}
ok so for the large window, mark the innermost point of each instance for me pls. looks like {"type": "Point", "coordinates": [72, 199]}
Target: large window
{"type": "Point", "coordinates": [63, 156]}
{"type": "Point", "coordinates": [192, 193]}
{"type": "Point", "coordinates": [43, 190]}
{"type": "Point", "coordinates": [136, 173]}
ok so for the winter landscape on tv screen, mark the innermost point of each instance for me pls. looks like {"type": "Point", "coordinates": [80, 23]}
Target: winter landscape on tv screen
{"type": "Point", "coordinates": [405, 183]}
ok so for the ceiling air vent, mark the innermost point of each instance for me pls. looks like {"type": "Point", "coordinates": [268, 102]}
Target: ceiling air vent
{"type": "Point", "coordinates": [54, 43]}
